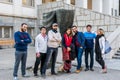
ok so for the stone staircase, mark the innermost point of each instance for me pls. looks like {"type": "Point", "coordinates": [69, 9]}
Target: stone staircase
{"type": "Point", "coordinates": [117, 54]}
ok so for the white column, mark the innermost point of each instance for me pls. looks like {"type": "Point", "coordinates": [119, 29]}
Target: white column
{"type": "Point", "coordinates": [97, 5]}
{"type": "Point", "coordinates": [116, 7]}
{"type": "Point", "coordinates": [106, 9]}
{"type": "Point", "coordinates": [10, 34]}
{"type": "Point", "coordinates": [32, 32]}
{"type": "Point", "coordinates": [81, 3]}
{"type": "Point", "coordinates": [2, 32]}
{"type": "Point", "coordinates": [67, 1]}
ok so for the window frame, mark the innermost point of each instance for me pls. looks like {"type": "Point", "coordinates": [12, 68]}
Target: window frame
{"type": "Point", "coordinates": [7, 2]}
{"type": "Point", "coordinates": [3, 32]}
{"type": "Point", "coordinates": [27, 4]}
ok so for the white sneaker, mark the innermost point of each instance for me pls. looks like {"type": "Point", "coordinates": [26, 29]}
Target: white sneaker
{"type": "Point", "coordinates": [15, 78]}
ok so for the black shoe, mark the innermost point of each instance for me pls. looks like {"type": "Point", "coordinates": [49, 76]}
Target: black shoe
{"type": "Point", "coordinates": [43, 76]}
{"type": "Point", "coordinates": [68, 71]}
{"type": "Point", "coordinates": [86, 69]}
{"type": "Point", "coordinates": [36, 75]}
{"type": "Point", "coordinates": [53, 73]}
{"type": "Point", "coordinates": [91, 69]}
{"type": "Point", "coordinates": [25, 76]}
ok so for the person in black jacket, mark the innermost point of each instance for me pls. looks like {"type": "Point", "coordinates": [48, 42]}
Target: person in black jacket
{"type": "Point", "coordinates": [100, 49]}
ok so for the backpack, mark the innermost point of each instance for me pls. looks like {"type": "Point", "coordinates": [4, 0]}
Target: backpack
{"type": "Point", "coordinates": [107, 47]}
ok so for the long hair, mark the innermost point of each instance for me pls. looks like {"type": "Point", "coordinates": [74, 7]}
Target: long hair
{"type": "Point", "coordinates": [101, 31]}
{"type": "Point", "coordinates": [70, 32]}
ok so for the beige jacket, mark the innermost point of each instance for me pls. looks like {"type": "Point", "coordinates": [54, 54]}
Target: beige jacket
{"type": "Point", "coordinates": [54, 39]}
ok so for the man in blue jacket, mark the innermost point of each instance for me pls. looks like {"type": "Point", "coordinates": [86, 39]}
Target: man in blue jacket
{"type": "Point", "coordinates": [79, 44]}
{"type": "Point", "coordinates": [22, 39]}
{"type": "Point", "coordinates": [89, 46]}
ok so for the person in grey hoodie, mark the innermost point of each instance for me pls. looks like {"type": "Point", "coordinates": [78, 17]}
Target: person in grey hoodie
{"type": "Point", "coordinates": [54, 40]}
{"type": "Point", "coordinates": [41, 50]}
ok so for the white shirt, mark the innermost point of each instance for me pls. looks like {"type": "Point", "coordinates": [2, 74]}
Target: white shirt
{"type": "Point", "coordinates": [41, 43]}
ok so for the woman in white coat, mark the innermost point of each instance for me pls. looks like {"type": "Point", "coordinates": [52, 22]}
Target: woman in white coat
{"type": "Point", "coordinates": [100, 49]}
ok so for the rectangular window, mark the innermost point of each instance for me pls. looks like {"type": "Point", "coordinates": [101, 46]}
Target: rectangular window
{"type": "Point", "coordinates": [73, 2]}
{"type": "Point", "coordinates": [28, 2]}
{"type": "Point", "coordinates": [6, 32]}
{"type": "Point", "coordinates": [6, 1]}
{"type": "Point", "coordinates": [45, 1]}
{"type": "Point", "coordinates": [30, 31]}
{"type": "Point", "coordinates": [0, 32]}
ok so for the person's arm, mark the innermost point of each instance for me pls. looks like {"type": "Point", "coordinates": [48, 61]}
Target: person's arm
{"type": "Point", "coordinates": [17, 38]}
{"type": "Point", "coordinates": [82, 38]}
{"type": "Point", "coordinates": [51, 37]}
{"type": "Point", "coordinates": [58, 38]}
{"type": "Point", "coordinates": [28, 40]}
{"type": "Point", "coordinates": [37, 44]}
{"type": "Point", "coordinates": [63, 42]}
{"type": "Point", "coordinates": [103, 45]}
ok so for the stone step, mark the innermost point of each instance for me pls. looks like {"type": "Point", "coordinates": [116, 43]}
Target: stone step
{"type": "Point", "coordinates": [117, 54]}
{"type": "Point", "coordinates": [116, 57]}
{"type": "Point", "coordinates": [118, 51]}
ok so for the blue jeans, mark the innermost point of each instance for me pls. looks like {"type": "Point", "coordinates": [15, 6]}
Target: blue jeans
{"type": "Point", "coordinates": [20, 56]}
{"type": "Point", "coordinates": [79, 57]}
{"type": "Point", "coordinates": [52, 55]}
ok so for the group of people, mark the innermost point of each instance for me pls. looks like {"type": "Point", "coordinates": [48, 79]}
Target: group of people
{"type": "Point", "coordinates": [74, 43]}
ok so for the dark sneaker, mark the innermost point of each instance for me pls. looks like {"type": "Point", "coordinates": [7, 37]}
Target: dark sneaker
{"type": "Point", "coordinates": [25, 76]}
{"type": "Point", "coordinates": [36, 75]}
{"type": "Point", "coordinates": [68, 71]}
{"type": "Point", "coordinates": [53, 73]}
{"type": "Point", "coordinates": [91, 69]}
{"type": "Point", "coordinates": [43, 76]}
{"type": "Point", "coordinates": [86, 69]}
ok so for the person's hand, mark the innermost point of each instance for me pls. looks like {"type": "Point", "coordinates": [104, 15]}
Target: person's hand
{"type": "Point", "coordinates": [81, 47]}
{"type": "Point", "coordinates": [22, 40]}
{"type": "Point", "coordinates": [37, 54]}
{"type": "Point", "coordinates": [68, 49]}
{"type": "Point", "coordinates": [59, 42]}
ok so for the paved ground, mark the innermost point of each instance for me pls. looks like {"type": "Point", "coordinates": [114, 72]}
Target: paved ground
{"type": "Point", "coordinates": [7, 62]}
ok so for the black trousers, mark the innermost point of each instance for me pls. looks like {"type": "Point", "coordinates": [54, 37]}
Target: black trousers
{"type": "Point", "coordinates": [41, 59]}
{"type": "Point", "coordinates": [100, 60]}
{"type": "Point", "coordinates": [87, 52]}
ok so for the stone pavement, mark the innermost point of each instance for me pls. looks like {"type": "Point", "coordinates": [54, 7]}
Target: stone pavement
{"type": "Point", "coordinates": [7, 63]}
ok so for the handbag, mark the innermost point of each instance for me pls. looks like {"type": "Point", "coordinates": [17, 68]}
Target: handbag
{"type": "Point", "coordinates": [107, 47]}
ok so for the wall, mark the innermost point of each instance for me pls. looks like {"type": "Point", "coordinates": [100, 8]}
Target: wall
{"type": "Point", "coordinates": [17, 9]}
{"type": "Point", "coordinates": [84, 17]}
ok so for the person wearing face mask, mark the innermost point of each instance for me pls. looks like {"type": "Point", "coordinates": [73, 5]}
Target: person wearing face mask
{"type": "Point", "coordinates": [22, 39]}
{"type": "Point", "coordinates": [54, 40]}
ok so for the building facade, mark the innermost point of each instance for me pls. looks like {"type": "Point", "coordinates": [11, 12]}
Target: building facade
{"type": "Point", "coordinates": [15, 12]}
{"type": "Point", "coordinates": [110, 7]}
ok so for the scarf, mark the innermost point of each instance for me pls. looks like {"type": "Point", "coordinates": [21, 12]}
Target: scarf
{"type": "Point", "coordinates": [55, 31]}
{"type": "Point", "coordinates": [68, 39]}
